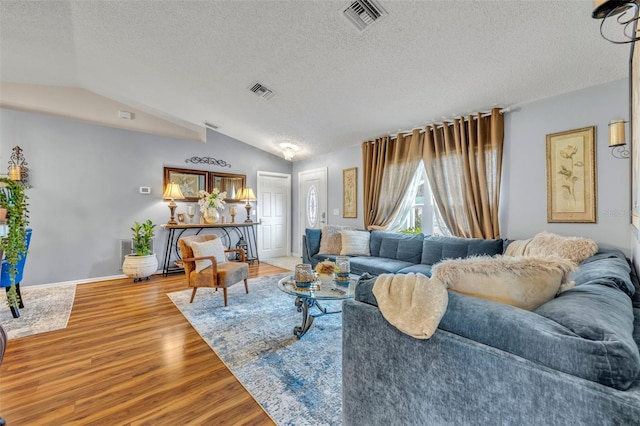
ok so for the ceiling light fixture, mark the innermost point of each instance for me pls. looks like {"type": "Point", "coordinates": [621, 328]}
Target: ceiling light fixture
{"type": "Point", "coordinates": [619, 20]}
{"type": "Point", "coordinates": [289, 150]}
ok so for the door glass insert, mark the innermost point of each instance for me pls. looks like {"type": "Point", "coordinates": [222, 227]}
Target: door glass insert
{"type": "Point", "coordinates": [312, 206]}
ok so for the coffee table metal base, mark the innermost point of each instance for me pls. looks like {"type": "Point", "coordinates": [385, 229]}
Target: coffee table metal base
{"type": "Point", "coordinates": [304, 304]}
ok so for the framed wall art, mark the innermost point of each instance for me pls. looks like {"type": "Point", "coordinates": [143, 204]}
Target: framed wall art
{"type": "Point", "coordinates": [350, 193]}
{"type": "Point", "coordinates": [190, 181]}
{"type": "Point", "coordinates": [571, 176]}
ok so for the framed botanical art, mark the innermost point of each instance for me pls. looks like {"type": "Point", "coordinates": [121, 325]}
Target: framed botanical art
{"type": "Point", "coordinates": [190, 181]}
{"type": "Point", "coordinates": [571, 176]}
{"type": "Point", "coordinates": [350, 192]}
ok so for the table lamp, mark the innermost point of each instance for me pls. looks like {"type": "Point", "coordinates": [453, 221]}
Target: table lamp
{"type": "Point", "coordinates": [172, 192]}
{"type": "Point", "coordinates": [247, 195]}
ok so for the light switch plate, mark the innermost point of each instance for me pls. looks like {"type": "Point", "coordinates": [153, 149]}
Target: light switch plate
{"type": "Point", "coordinates": [145, 190]}
{"type": "Point", "coordinates": [336, 212]}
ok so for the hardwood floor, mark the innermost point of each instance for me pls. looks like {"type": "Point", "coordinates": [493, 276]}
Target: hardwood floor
{"type": "Point", "coordinates": [127, 357]}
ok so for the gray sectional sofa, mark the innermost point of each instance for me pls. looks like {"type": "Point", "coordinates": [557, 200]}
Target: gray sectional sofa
{"type": "Point", "coordinates": [572, 361]}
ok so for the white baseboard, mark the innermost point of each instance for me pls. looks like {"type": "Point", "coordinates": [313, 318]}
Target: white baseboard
{"type": "Point", "coordinates": [83, 281]}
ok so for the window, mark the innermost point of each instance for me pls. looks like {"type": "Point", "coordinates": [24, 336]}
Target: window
{"type": "Point", "coordinates": [418, 220]}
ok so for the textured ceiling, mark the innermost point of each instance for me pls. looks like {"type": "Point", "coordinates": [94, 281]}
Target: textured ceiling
{"type": "Point", "coordinates": [193, 61]}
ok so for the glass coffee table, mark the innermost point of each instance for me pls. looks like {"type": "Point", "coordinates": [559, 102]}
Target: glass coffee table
{"type": "Point", "coordinates": [307, 298]}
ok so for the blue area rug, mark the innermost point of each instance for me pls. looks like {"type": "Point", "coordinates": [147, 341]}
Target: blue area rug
{"type": "Point", "coordinates": [297, 382]}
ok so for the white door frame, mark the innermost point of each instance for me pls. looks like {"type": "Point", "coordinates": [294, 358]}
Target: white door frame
{"type": "Point", "coordinates": [287, 206]}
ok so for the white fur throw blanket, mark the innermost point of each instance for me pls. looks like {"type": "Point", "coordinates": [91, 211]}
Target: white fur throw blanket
{"type": "Point", "coordinates": [413, 303]}
{"type": "Point", "coordinates": [575, 249]}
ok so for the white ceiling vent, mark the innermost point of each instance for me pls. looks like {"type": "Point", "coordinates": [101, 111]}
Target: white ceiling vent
{"type": "Point", "coordinates": [261, 90]}
{"type": "Point", "coordinates": [363, 13]}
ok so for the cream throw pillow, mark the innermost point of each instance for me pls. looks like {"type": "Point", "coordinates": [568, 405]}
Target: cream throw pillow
{"type": "Point", "coordinates": [522, 281]}
{"type": "Point", "coordinates": [331, 241]}
{"type": "Point", "coordinates": [208, 248]}
{"type": "Point", "coordinates": [575, 249]}
{"type": "Point", "coordinates": [355, 243]}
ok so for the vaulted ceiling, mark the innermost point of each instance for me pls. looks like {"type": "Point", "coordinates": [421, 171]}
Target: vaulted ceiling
{"type": "Point", "coordinates": [194, 61]}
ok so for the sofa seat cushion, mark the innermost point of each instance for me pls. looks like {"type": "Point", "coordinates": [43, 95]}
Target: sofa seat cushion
{"type": "Point", "coordinates": [376, 265]}
{"type": "Point", "coordinates": [435, 249]}
{"type": "Point", "coordinates": [603, 316]}
{"type": "Point", "coordinates": [417, 269]}
{"type": "Point", "coordinates": [395, 245]}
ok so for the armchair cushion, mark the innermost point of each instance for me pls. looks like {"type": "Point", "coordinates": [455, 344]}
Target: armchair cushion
{"type": "Point", "coordinates": [208, 248]}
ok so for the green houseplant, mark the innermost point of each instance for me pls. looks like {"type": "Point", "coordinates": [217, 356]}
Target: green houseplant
{"type": "Point", "coordinates": [142, 262]}
{"type": "Point", "coordinates": [14, 200]}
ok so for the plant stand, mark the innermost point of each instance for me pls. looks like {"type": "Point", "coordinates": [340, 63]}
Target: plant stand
{"type": "Point", "coordinates": [15, 311]}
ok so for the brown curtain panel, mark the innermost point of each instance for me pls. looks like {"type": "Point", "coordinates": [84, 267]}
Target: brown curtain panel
{"type": "Point", "coordinates": [463, 160]}
{"type": "Point", "coordinates": [389, 165]}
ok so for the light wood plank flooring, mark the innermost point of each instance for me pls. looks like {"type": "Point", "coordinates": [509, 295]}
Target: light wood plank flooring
{"type": "Point", "coordinates": [127, 357]}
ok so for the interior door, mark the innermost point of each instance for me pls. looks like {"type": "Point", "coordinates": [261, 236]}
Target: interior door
{"type": "Point", "coordinates": [274, 205]}
{"type": "Point", "coordinates": [312, 200]}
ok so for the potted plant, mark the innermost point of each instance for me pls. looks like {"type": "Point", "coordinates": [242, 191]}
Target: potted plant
{"type": "Point", "coordinates": [14, 200]}
{"type": "Point", "coordinates": [142, 262]}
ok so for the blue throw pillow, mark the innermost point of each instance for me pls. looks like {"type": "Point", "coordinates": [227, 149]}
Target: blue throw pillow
{"type": "Point", "coordinates": [435, 249]}
{"type": "Point", "coordinates": [313, 240]}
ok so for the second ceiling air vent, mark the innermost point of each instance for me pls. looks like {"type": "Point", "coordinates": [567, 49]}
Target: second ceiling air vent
{"type": "Point", "coordinates": [261, 90]}
{"type": "Point", "coordinates": [363, 13]}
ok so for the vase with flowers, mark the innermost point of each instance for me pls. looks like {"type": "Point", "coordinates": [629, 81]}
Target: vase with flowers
{"type": "Point", "coordinates": [210, 203]}
{"type": "Point", "coordinates": [325, 270]}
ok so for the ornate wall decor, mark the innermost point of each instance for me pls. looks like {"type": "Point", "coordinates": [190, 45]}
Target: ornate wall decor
{"type": "Point", "coordinates": [207, 160]}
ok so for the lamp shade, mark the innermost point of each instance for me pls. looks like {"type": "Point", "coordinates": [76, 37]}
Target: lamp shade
{"type": "Point", "coordinates": [616, 133]}
{"type": "Point", "coordinates": [172, 192]}
{"type": "Point", "coordinates": [246, 194]}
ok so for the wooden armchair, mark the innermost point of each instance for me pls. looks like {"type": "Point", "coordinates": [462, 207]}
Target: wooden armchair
{"type": "Point", "coordinates": [218, 275]}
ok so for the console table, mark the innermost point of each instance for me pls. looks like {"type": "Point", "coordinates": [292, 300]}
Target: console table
{"type": "Point", "coordinates": [244, 230]}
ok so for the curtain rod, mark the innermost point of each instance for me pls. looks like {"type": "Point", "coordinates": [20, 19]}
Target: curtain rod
{"type": "Point", "coordinates": [440, 125]}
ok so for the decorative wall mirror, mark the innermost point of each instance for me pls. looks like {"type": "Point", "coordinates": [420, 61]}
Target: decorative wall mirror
{"type": "Point", "coordinates": [190, 181]}
{"type": "Point", "coordinates": [228, 182]}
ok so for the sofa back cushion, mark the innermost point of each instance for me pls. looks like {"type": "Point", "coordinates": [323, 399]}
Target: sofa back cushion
{"type": "Point", "coordinates": [394, 245]}
{"type": "Point", "coordinates": [435, 249]}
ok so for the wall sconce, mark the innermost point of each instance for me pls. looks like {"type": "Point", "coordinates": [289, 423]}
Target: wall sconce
{"type": "Point", "coordinates": [172, 192]}
{"type": "Point", "coordinates": [617, 139]}
{"type": "Point", "coordinates": [289, 150]}
{"type": "Point", "coordinates": [247, 195]}
{"type": "Point", "coordinates": [18, 170]}
{"type": "Point", "coordinates": [619, 20]}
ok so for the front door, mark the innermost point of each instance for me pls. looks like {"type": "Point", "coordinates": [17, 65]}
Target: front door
{"type": "Point", "coordinates": [312, 200]}
{"type": "Point", "coordinates": [274, 205]}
